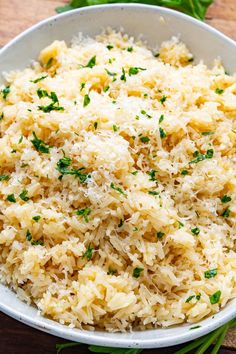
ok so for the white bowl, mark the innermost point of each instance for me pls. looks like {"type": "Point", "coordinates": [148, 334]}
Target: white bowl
{"type": "Point", "coordinates": [155, 24]}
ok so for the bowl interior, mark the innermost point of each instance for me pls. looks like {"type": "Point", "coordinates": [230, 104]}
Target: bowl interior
{"type": "Point", "coordinates": [156, 25]}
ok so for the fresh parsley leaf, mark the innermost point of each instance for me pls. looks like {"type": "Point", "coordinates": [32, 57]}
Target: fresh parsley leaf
{"type": "Point", "coordinates": [24, 195]}
{"type": "Point", "coordinates": [110, 46]}
{"type": "Point", "coordinates": [86, 100]}
{"type": "Point", "coordinates": [190, 298]}
{"type": "Point", "coordinates": [11, 198]}
{"type": "Point", "coordinates": [118, 189]}
{"type": "Point", "coordinates": [219, 91]}
{"type": "Point", "coordinates": [115, 128]}
{"type": "Point", "coordinates": [60, 347]}
{"type": "Point", "coordinates": [28, 235]}
{"type": "Point", "coordinates": [39, 79]}
{"type": "Point", "coordinates": [4, 178]}
{"type": "Point", "coordinates": [130, 49]}
{"type": "Point", "coordinates": [153, 193]}
{"type": "Point", "coordinates": [40, 145]}
{"type": "Point", "coordinates": [5, 92]}
{"type": "Point", "coordinates": [152, 175]}
{"type": "Point", "coordinates": [110, 73]}
{"type": "Point", "coordinates": [162, 117]}
{"type": "Point", "coordinates": [162, 133]}
{"type": "Point", "coordinates": [121, 223]}
{"type": "Point", "coordinates": [91, 63]}
{"type": "Point", "coordinates": [163, 99]}
{"type": "Point", "coordinates": [194, 8]}
{"type": "Point", "coordinates": [195, 231]}
{"type": "Point", "coordinates": [226, 199]}
{"type": "Point", "coordinates": [1, 116]}
{"type": "Point", "coordinates": [207, 133]}
{"type": "Point", "coordinates": [36, 218]}
{"type": "Point", "coordinates": [137, 272]}
{"type": "Point", "coordinates": [88, 253]}
{"type": "Point", "coordinates": [123, 76]}
{"type": "Point", "coordinates": [184, 173]}
{"type": "Point", "coordinates": [84, 212]}
{"type": "Point", "coordinates": [111, 271]}
{"type": "Point", "coordinates": [106, 88]}
{"type": "Point", "coordinates": [134, 70]}
{"type": "Point", "coordinates": [37, 243]}
{"type": "Point", "coordinates": [200, 157]}
{"type": "Point", "coordinates": [210, 273]}
{"type": "Point", "coordinates": [226, 213]}
{"type": "Point", "coordinates": [62, 167]}
{"type": "Point", "coordinates": [82, 86]}
{"type": "Point", "coordinates": [215, 298]}
{"type": "Point", "coordinates": [144, 139]}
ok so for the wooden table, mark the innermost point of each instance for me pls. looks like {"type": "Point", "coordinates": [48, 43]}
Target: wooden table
{"type": "Point", "coordinates": [16, 16]}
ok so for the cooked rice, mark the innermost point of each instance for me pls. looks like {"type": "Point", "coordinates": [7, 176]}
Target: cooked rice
{"type": "Point", "coordinates": [143, 235]}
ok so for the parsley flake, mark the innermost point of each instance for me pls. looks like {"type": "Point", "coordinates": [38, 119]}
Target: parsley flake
{"type": "Point", "coordinates": [5, 92]}
{"type": "Point", "coordinates": [210, 273]}
{"type": "Point", "coordinates": [195, 231]}
{"type": "Point", "coordinates": [24, 195]}
{"type": "Point", "coordinates": [40, 145]}
{"type": "Point", "coordinates": [123, 76]}
{"type": "Point", "coordinates": [215, 298]}
{"type": "Point", "coordinates": [84, 212]}
{"type": "Point", "coordinates": [118, 189]}
{"type": "Point", "coordinates": [88, 253]}
{"type": "Point", "coordinates": [86, 100]}
{"type": "Point", "coordinates": [11, 198]}
{"type": "Point", "coordinates": [137, 272]}
{"type": "Point", "coordinates": [219, 91]}
{"type": "Point", "coordinates": [4, 178]}
{"type": "Point", "coordinates": [226, 199]}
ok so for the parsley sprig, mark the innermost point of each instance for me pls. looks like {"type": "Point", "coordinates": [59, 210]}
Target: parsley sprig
{"type": "Point", "coordinates": [194, 8]}
{"type": "Point", "coordinates": [202, 344]}
{"type": "Point", "coordinates": [63, 167]}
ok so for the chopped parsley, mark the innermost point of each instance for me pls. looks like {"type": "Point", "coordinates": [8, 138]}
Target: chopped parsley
{"type": "Point", "coordinates": [62, 167]}
{"type": "Point", "coordinates": [5, 92]}
{"type": "Point", "coordinates": [95, 124]}
{"type": "Point", "coordinates": [86, 100]}
{"type": "Point", "coordinates": [115, 128]}
{"type": "Point", "coordinates": [207, 133]}
{"type": "Point", "coordinates": [39, 79]}
{"type": "Point", "coordinates": [146, 114]}
{"type": "Point", "coordinates": [1, 116]}
{"type": "Point", "coordinates": [153, 193]}
{"type": "Point", "coordinates": [219, 91]}
{"type": "Point", "coordinates": [200, 157]}
{"type": "Point", "coordinates": [210, 273]}
{"type": "Point", "coordinates": [4, 178]}
{"type": "Point", "coordinates": [88, 253]}
{"type": "Point", "coordinates": [123, 76]}
{"type": "Point", "coordinates": [137, 272]}
{"type": "Point", "coordinates": [11, 198]}
{"type": "Point", "coordinates": [134, 173]}
{"type": "Point", "coordinates": [162, 117]}
{"type": "Point", "coordinates": [195, 231]}
{"type": "Point", "coordinates": [184, 172]}
{"type": "Point", "coordinates": [28, 235]}
{"type": "Point", "coordinates": [226, 199]}
{"type": "Point", "coordinates": [53, 106]}
{"type": "Point", "coordinates": [156, 55]}
{"type": "Point", "coordinates": [91, 63]}
{"type": "Point", "coordinates": [110, 73]}
{"type": "Point", "coordinates": [106, 88]}
{"type": "Point", "coordinates": [226, 213]}
{"type": "Point", "coordinates": [82, 86]}
{"type": "Point", "coordinates": [215, 298]}
{"type": "Point", "coordinates": [160, 235]}
{"type": "Point", "coordinates": [118, 189]}
{"type": "Point", "coordinates": [130, 49]}
{"type": "Point", "coordinates": [162, 133]}
{"type": "Point", "coordinates": [40, 145]}
{"type": "Point", "coordinates": [144, 139]}
{"type": "Point", "coordinates": [20, 140]}
{"type": "Point", "coordinates": [135, 70]}
{"type": "Point", "coordinates": [49, 63]}
{"type": "Point", "coordinates": [84, 212]}
{"type": "Point", "coordinates": [163, 99]}
{"type": "Point", "coordinates": [24, 195]}
{"type": "Point", "coordinates": [152, 175]}
{"type": "Point", "coordinates": [36, 218]}
{"type": "Point", "coordinates": [190, 298]}
{"type": "Point", "coordinates": [37, 243]}
{"type": "Point", "coordinates": [110, 46]}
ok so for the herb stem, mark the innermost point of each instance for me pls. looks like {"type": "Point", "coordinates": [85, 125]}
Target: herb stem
{"type": "Point", "coordinates": [211, 340]}
{"type": "Point", "coordinates": [220, 339]}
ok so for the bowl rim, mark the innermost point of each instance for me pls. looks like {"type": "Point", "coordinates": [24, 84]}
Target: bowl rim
{"type": "Point", "coordinates": [52, 327]}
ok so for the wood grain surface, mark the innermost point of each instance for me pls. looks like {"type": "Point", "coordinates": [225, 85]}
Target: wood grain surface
{"type": "Point", "coordinates": [15, 17]}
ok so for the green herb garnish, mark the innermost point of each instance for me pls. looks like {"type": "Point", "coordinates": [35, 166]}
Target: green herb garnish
{"type": "Point", "coordinates": [144, 139]}
{"type": "Point", "coordinates": [162, 133]}
{"type": "Point", "coordinates": [36, 218]}
{"type": "Point", "coordinates": [62, 167]}
{"type": "Point", "coordinates": [84, 212]}
{"type": "Point", "coordinates": [11, 198]}
{"type": "Point", "coordinates": [110, 46]}
{"type": "Point", "coordinates": [219, 91]}
{"type": "Point", "coordinates": [86, 100]}
{"type": "Point", "coordinates": [210, 273]}
{"type": "Point", "coordinates": [215, 298]}
{"type": "Point", "coordinates": [5, 92]}
{"type": "Point", "coordinates": [226, 199]}
{"type": "Point", "coordinates": [118, 189]}
{"type": "Point", "coordinates": [200, 157]}
{"type": "Point", "coordinates": [137, 272]}
{"type": "Point", "coordinates": [24, 195]}
{"type": "Point", "coordinates": [4, 178]}
{"type": "Point", "coordinates": [152, 175]}
{"type": "Point", "coordinates": [184, 172]}
{"type": "Point", "coordinates": [28, 235]}
{"type": "Point", "coordinates": [91, 63]}
{"type": "Point", "coordinates": [123, 76]}
{"type": "Point", "coordinates": [135, 70]}
{"type": "Point", "coordinates": [163, 99]}
{"type": "Point", "coordinates": [226, 213]}
{"type": "Point", "coordinates": [88, 253]}
{"type": "Point", "coordinates": [207, 133]}
{"type": "Point", "coordinates": [160, 235]}
{"type": "Point", "coordinates": [39, 79]}
{"type": "Point", "coordinates": [195, 231]}
{"type": "Point", "coordinates": [40, 145]}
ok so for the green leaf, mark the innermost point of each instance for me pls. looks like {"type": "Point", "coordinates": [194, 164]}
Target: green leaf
{"type": "Point", "coordinates": [28, 235]}
{"type": "Point", "coordinates": [88, 253]}
{"type": "Point", "coordinates": [4, 178]}
{"type": "Point", "coordinates": [86, 100]}
{"type": "Point", "coordinates": [145, 139]}
{"type": "Point", "coordinates": [137, 272]}
{"type": "Point", "coordinates": [194, 8]}
{"type": "Point", "coordinates": [195, 231]}
{"type": "Point", "coordinates": [39, 79]}
{"type": "Point", "coordinates": [60, 347]}
{"type": "Point", "coordinates": [91, 63]}
{"type": "Point", "coordinates": [40, 145]}
{"type": "Point", "coordinates": [118, 189]}
{"type": "Point", "coordinates": [96, 349]}
{"type": "Point", "coordinates": [226, 199]}
{"type": "Point", "coordinates": [36, 218]}
{"type": "Point", "coordinates": [11, 198]}
{"type": "Point", "coordinates": [123, 76]}
{"type": "Point", "coordinates": [162, 133]}
{"type": "Point", "coordinates": [24, 195]}
{"type": "Point", "coordinates": [84, 212]}
{"type": "Point", "coordinates": [215, 298]}
{"type": "Point", "coordinates": [210, 273]}
{"type": "Point", "coordinates": [5, 92]}
{"type": "Point", "coordinates": [219, 91]}
{"type": "Point", "coordinates": [134, 70]}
